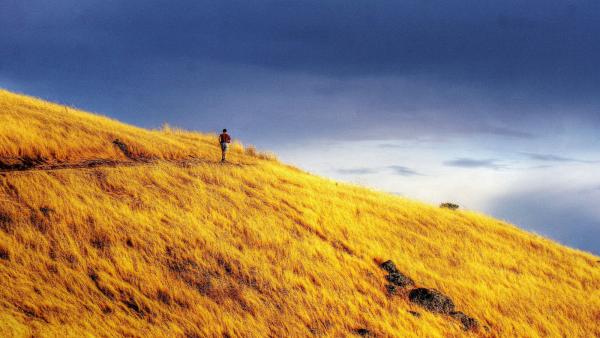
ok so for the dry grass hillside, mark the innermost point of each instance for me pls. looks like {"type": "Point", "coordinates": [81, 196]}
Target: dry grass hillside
{"type": "Point", "coordinates": [174, 244]}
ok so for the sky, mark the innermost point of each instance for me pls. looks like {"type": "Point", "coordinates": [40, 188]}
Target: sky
{"type": "Point", "coordinates": [493, 105]}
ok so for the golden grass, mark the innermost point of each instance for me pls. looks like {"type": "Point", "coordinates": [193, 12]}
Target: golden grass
{"type": "Point", "coordinates": [251, 250]}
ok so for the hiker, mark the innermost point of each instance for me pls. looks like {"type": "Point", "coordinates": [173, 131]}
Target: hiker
{"type": "Point", "coordinates": [224, 140]}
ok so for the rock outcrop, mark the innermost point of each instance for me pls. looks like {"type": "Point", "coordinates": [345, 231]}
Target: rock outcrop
{"type": "Point", "coordinates": [395, 277]}
{"type": "Point", "coordinates": [467, 322]}
{"type": "Point", "coordinates": [431, 300]}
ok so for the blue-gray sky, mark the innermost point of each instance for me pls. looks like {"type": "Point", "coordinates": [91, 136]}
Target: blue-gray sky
{"type": "Point", "coordinates": [493, 105]}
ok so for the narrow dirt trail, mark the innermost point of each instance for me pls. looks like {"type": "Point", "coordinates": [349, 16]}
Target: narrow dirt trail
{"type": "Point", "coordinates": [8, 165]}
{"type": "Point", "coordinates": [105, 163]}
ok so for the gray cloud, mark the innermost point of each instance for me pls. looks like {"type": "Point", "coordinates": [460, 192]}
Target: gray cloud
{"type": "Point", "coordinates": [593, 189]}
{"type": "Point", "coordinates": [357, 171]}
{"type": "Point", "coordinates": [391, 146]}
{"type": "Point", "coordinates": [554, 158]}
{"type": "Point", "coordinates": [403, 171]}
{"type": "Point", "coordinates": [396, 169]}
{"type": "Point", "coordinates": [474, 163]}
{"type": "Point", "coordinates": [509, 132]}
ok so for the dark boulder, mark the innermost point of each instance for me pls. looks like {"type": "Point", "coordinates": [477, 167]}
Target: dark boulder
{"type": "Point", "coordinates": [467, 322]}
{"type": "Point", "coordinates": [391, 289]}
{"type": "Point", "coordinates": [363, 332]}
{"type": "Point", "coordinates": [389, 266]}
{"type": "Point", "coordinates": [399, 279]}
{"type": "Point", "coordinates": [432, 300]}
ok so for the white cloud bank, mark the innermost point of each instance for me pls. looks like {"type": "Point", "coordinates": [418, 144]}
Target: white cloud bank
{"type": "Point", "coordinates": [557, 199]}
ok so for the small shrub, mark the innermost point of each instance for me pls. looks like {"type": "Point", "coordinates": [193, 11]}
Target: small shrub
{"type": "Point", "coordinates": [251, 151]}
{"type": "Point", "coordinates": [166, 128]}
{"type": "Point", "coordinates": [449, 205]}
{"type": "Point", "coordinates": [267, 156]}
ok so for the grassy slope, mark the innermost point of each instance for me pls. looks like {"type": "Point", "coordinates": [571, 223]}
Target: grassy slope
{"type": "Point", "coordinates": [257, 249]}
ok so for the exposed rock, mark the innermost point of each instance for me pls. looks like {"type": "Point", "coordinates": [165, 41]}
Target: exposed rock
{"type": "Point", "coordinates": [415, 313]}
{"type": "Point", "coordinates": [399, 279]}
{"type": "Point", "coordinates": [451, 206]}
{"type": "Point", "coordinates": [467, 322]}
{"type": "Point", "coordinates": [363, 332]}
{"type": "Point", "coordinates": [389, 266]}
{"type": "Point", "coordinates": [432, 300]}
{"type": "Point", "coordinates": [391, 289]}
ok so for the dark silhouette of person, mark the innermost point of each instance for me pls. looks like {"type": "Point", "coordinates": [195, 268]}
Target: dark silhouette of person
{"type": "Point", "coordinates": [224, 140]}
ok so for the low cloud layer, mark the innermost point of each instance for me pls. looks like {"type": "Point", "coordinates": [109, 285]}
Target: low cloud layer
{"type": "Point", "coordinates": [395, 169]}
{"type": "Point", "coordinates": [554, 158]}
{"type": "Point", "coordinates": [474, 163]}
{"type": "Point", "coordinates": [357, 171]}
{"type": "Point", "coordinates": [403, 171]}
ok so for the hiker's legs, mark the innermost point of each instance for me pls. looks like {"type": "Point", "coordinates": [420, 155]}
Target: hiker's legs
{"type": "Point", "coordinates": [223, 151]}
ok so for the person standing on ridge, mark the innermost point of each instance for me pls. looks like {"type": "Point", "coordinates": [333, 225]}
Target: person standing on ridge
{"type": "Point", "coordinates": [224, 140]}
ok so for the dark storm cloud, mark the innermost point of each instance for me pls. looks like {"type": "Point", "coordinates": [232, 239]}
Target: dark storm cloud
{"type": "Point", "coordinates": [474, 163]}
{"type": "Point", "coordinates": [500, 41]}
{"type": "Point", "coordinates": [359, 69]}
